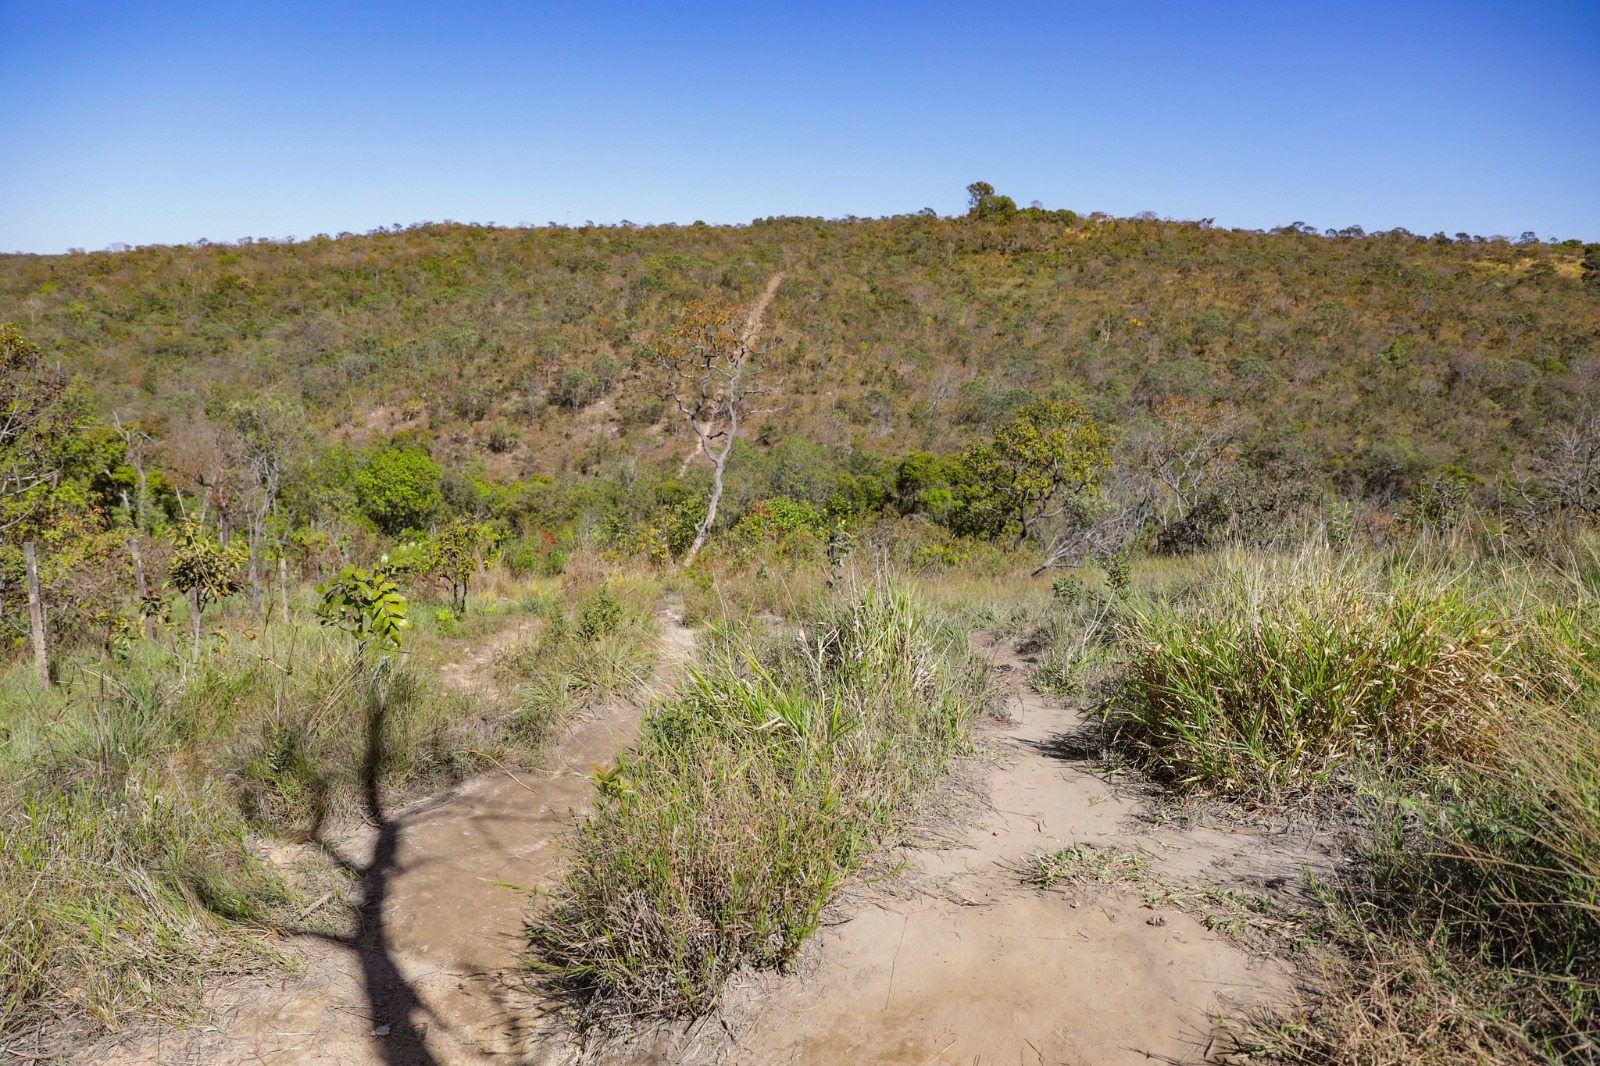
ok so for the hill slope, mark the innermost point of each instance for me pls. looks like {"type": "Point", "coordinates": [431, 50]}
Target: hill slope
{"type": "Point", "coordinates": [1373, 358]}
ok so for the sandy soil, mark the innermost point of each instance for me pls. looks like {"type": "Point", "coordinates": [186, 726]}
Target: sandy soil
{"type": "Point", "coordinates": [952, 959]}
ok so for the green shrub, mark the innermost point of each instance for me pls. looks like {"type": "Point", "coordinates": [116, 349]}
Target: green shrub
{"type": "Point", "coordinates": [398, 489]}
{"type": "Point", "coordinates": [599, 613]}
{"type": "Point", "coordinates": [575, 388]}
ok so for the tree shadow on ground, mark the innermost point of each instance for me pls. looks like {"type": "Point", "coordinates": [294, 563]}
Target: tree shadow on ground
{"type": "Point", "coordinates": [400, 1018]}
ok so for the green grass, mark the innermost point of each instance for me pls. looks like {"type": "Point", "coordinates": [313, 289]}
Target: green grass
{"type": "Point", "coordinates": [1274, 674]}
{"type": "Point", "coordinates": [132, 796]}
{"type": "Point", "coordinates": [1084, 864]}
{"type": "Point", "coordinates": [753, 794]}
{"type": "Point", "coordinates": [601, 649]}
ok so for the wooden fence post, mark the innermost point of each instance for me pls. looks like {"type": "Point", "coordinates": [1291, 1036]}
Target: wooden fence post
{"type": "Point", "coordinates": [41, 662]}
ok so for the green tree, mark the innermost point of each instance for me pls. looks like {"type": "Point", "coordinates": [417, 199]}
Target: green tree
{"type": "Point", "coordinates": [985, 205]}
{"type": "Point", "coordinates": [1589, 265]}
{"type": "Point", "coordinates": [455, 553]}
{"type": "Point", "coordinates": [204, 570]}
{"type": "Point", "coordinates": [39, 417]}
{"type": "Point", "coordinates": [1037, 465]}
{"type": "Point", "coordinates": [575, 388]}
{"type": "Point", "coordinates": [398, 489]}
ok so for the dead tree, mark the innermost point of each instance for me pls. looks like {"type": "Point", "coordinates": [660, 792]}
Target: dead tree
{"type": "Point", "coordinates": [705, 367]}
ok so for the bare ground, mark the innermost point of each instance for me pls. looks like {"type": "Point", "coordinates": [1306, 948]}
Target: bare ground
{"type": "Point", "coordinates": [951, 957]}
{"type": "Point", "coordinates": [958, 960]}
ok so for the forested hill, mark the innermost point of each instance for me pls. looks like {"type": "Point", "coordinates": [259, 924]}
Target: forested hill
{"type": "Point", "coordinates": [1368, 358]}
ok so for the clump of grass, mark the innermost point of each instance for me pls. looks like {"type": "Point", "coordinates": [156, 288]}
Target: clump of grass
{"type": "Point", "coordinates": [1272, 675]}
{"type": "Point", "coordinates": [1085, 864]}
{"type": "Point", "coordinates": [1460, 707]}
{"type": "Point", "coordinates": [606, 652]}
{"type": "Point", "coordinates": [753, 794]}
{"type": "Point", "coordinates": [1387, 999]}
{"type": "Point", "coordinates": [115, 906]}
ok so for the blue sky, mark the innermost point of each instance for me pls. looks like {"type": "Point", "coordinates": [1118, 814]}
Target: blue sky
{"type": "Point", "coordinates": [169, 122]}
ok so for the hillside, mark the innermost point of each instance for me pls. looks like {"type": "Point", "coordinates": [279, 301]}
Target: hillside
{"type": "Point", "coordinates": [1367, 359]}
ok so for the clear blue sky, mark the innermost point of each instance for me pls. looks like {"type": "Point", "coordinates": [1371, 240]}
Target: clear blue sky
{"type": "Point", "coordinates": [147, 122]}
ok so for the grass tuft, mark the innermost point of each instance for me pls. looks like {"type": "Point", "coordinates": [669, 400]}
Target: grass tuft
{"type": "Point", "coordinates": [754, 793]}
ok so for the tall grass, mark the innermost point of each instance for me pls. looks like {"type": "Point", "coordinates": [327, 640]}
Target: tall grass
{"type": "Point", "coordinates": [132, 794]}
{"type": "Point", "coordinates": [754, 792]}
{"type": "Point", "coordinates": [1455, 700]}
{"type": "Point", "coordinates": [1273, 674]}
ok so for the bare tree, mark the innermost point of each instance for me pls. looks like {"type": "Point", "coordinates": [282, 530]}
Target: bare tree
{"type": "Point", "coordinates": [1564, 476]}
{"type": "Point", "coordinates": [705, 367]}
{"type": "Point", "coordinates": [261, 434]}
{"type": "Point", "coordinates": [1187, 448]}
{"type": "Point", "coordinates": [1160, 475]}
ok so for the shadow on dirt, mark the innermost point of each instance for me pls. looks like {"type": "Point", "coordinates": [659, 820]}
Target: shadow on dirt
{"type": "Point", "coordinates": [400, 1018]}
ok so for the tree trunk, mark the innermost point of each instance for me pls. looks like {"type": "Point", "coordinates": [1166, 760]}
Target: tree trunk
{"type": "Point", "coordinates": [41, 661]}
{"type": "Point", "coordinates": [283, 586]}
{"type": "Point", "coordinates": [255, 580]}
{"type": "Point", "coordinates": [140, 586]}
{"type": "Point", "coordinates": [194, 610]}
{"type": "Point", "coordinates": [700, 535]}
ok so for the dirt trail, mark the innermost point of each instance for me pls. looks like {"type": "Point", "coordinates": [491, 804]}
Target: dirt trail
{"type": "Point", "coordinates": [432, 977]}
{"type": "Point", "coordinates": [958, 961]}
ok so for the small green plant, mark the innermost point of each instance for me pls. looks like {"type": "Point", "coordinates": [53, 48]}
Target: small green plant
{"type": "Point", "coordinates": [205, 570]}
{"type": "Point", "coordinates": [599, 613]}
{"type": "Point", "coordinates": [1067, 588]}
{"type": "Point", "coordinates": [1119, 571]}
{"type": "Point", "coordinates": [367, 605]}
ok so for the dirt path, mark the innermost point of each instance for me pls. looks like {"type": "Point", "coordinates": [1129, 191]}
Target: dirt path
{"type": "Point", "coordinates": [958, 961]}
{"type": "Point", "coordinates": [431, 978]}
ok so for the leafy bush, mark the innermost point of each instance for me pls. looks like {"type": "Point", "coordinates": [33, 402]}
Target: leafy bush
{"type": "Point", "coordinates": [502, 437]}
{"type": "Point", "coordinates": [398, 489]}
{"type": "Point", "coordinates": [575, 388]}
{"type": "Point", "coordinates": [599, 613]}
{"type": "Point", "coordinates": [780, 524]}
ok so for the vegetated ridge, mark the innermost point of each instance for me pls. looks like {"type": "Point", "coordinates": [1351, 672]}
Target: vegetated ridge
{"type": "Point", "coordinates": [1366, 360]}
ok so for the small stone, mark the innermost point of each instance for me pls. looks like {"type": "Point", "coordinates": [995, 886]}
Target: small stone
{"type": "Point", "coordinates": [382, 1030]}
{"type": "Point", "coordinates": [1155, 919]}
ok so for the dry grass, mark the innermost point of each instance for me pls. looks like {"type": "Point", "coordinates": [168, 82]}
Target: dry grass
{"type": "Point", "coordinates": [134, 792]}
